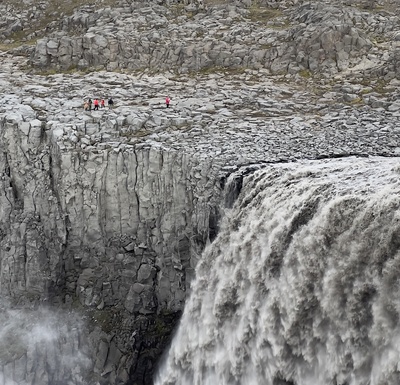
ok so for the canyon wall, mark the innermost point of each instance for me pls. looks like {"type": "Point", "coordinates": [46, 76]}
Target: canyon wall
{"type": "Point", "coordinates": [108, 228]}
{"type": "Point", "coordinates": [284, 39]}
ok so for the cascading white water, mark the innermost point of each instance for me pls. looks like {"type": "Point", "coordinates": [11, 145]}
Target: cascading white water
{"type": "Point", "coordinates": [302, 284]}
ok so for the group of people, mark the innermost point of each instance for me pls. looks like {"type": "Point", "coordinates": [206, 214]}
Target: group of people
{"type": "Point", "coordinates": [88, 105]}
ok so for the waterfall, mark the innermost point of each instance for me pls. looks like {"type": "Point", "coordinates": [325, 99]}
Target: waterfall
{"type": "Point", "coordinates": [302, 284]}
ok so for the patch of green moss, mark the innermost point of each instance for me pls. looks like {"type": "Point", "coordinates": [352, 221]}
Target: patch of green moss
{"type": "Point", "coordinates": [221, 70]}
{"type": "Point", "coordinates": [16, 44]}
{"type": "Point", "coordinates": [104, 318]}
{"type": "Point", "coordinates": [379, 86]}
{"type": "Point", "coordinates": [357, 101]}
{"type": "Point", "coordinates": [265, 46]}
{"type": "Point", "coordinates": [134, 134]}
{"type": "Point", "coordinates": [259, 114]}
{"type": "Point", "coordinates": [161, 326]}
{"type": "Point", "coordinates": [369, 5]}
{"type": "Point", "coordinates": [259, 13]}
{"type": "Point", "coordinates": [382, 88]}
{"type": "Point", "coordinates": [66, 71]}
{"type": "Point", "coordinates": [212, 3]}
{"type": "Point", "coordinates": [179, 9]}
{"type": "Point", "coordinates": [306, 74]}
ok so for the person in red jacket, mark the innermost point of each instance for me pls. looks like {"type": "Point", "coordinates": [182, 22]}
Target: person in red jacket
{"type": "Point", "coordinates": [102, 103]}
{"type": "Point", "coordinates": [167, 101]}
{"type": "Point", "coordinates": [96, 104]}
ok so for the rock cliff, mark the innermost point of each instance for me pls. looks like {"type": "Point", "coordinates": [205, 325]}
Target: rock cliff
{"type": "Point", "coordinates": [104, 214]}
{"type": "Point", "coordinates": [318, 36]}
{"type": "Point", "coordinates": [109, 226]}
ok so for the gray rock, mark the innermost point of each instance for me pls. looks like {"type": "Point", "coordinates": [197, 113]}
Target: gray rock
{"type": "Point", "coordinates": [108, 212]}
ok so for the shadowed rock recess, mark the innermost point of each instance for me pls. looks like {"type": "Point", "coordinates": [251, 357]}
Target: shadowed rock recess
{"type": "Point", "coordinates": [104, 214]}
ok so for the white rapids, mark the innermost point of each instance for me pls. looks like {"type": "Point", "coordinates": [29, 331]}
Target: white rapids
{"type": "Point", "coordinates": [302, 284]}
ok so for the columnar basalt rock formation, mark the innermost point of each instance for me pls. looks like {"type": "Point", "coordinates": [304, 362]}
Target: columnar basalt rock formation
{"type": "Point", "coordinates": [138, 208]}
{"type": "Point", "coordinates": [111, 226]}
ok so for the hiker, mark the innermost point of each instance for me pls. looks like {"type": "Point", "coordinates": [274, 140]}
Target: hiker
{"type": "Point", "coordinates": [110, 103]}
{"type": "Point", "coordinates": [86, 106]}
{"type": "Point", "coordinates": [167, 101]}
{"type": "Point", "coordinates": [96, 104]}
{"type": "Point", "coordinates": [102, 104]}
{"type": "Point", "coordinates": [90, 104]}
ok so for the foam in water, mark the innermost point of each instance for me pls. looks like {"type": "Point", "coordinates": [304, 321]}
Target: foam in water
{"type": "Point", "coordinates": [302, 284]}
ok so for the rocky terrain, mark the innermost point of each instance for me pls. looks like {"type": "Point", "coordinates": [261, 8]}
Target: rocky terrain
{"type": "Point", "coordinates": [104, 214]}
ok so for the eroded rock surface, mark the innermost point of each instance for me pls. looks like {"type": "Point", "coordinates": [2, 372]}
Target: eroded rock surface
{"type": "Point", "coordinates": [104, 214]}
{"type": "Point", "coordinates": [286, 37]}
